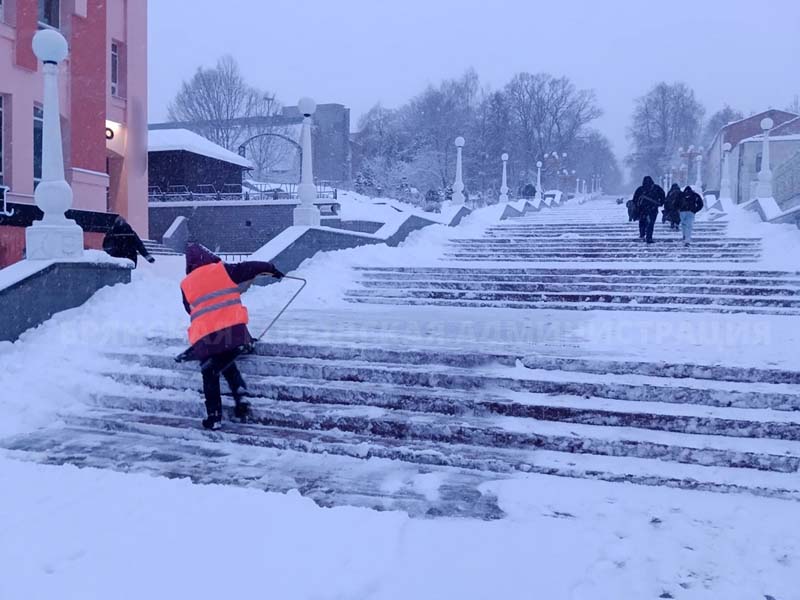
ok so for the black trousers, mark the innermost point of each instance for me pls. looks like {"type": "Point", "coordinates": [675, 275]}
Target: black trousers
{"type": "Point", "coordinates": [211, 369]}
{"type": "Point", "coordinates": [647, 222]}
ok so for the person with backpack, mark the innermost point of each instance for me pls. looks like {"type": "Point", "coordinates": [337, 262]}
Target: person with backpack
{"type": "Point", "coordinates": [671, 208]}
{"type": "Point", "coordinates": [218, 324]}
{"type": "Point", "coordinates": [691, 203]}
{"type": "Point", "coordinates": [648, 198]}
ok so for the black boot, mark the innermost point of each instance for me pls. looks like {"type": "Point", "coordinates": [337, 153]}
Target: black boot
{"type": "Point", "coordinates": [213, 421]}
{"type": "Point", "coordinates": [242, 408]}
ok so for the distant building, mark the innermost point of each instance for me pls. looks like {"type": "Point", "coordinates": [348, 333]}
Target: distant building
{"type": "Point", "coordinates": [179, 158]}
{"type": "Point", "coordinates": [745, 138]}
{"type": "Point", "coordinates": [330, 139]}
{"type": "Point", "coordinates": [103, 91]}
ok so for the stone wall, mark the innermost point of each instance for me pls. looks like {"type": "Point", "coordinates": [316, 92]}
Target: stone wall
{"type": "Point", "coordinates": [31, 301]}
{"type": "Point", "coordinates": [224, 227]}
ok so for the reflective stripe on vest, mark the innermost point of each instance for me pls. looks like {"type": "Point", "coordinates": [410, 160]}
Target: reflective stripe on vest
{"type": "Point", "coordinates": [214, 301]}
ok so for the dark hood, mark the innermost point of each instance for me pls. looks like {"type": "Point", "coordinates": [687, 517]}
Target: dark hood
{"type": "Point", "coordinates": [675, 188]}
{"type": "Point", "coordinates": [198, 256]}
{"type": "Point", "coordinates": [688, 190]}
{"type": "Point", "coordinates": [647, 182]}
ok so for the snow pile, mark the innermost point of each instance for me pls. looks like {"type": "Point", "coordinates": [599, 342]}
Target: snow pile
{"type": "Point", "coordinates": [780, 242]}
{"type": "Point", "coordinates": [45, 371]}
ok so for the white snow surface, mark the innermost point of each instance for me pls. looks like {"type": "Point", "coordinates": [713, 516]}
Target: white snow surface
{"type": "Point", "coordinates": [90, 534]}
{"type": "Point", "coordinates": [164, 140]}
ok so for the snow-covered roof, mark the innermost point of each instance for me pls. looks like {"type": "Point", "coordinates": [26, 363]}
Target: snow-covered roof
{"type": "Point", "coordinates": [170, 140]}
{"type": "Point", "coordinates": [794, 137]}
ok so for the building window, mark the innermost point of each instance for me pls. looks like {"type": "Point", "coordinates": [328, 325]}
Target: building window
{"type": "Point", "coordinates": [1, 12]}
{"type": "Point", "coordinates": [50, 13]}
{"type": "Point", "coordinates": [114, 69]}
{"type": "Point", "coordinates": [1, 138]}
{"type": "Point", "coordinates": [38, 130]}
{"type": "Point", "coordinates": [118, 69]}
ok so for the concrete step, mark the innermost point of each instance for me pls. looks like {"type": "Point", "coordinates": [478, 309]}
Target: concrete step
{"type": "Point", "coordinates": [588, 243]}
{"type": "Point", "coordinates": [656, 416]}
{"type": "Point", "coordinates": [633, 258]}
{"type": "Point", "coordinates": [571, 272]}
{"type": "Point", "coordinates": [438, 378]}
{"type": "Point", "coordinates": [159, 249]}
{"type": "Point", "coordinates": [353, 471]}
{"type": "Point", "coordinates": [666, 371]}
{"type": "Point", "coordinates": [330, 474]}
{"type": "Point", "coordinates": [781, 456]}
{"type": "Point", "coordinates": [738, 301]}
{"type": "Point", "coordinates": [574, 287]}
{"type": "Point", "coordinates": [392, 301]}
{"type": "Point", "coordinates": [666, 277]}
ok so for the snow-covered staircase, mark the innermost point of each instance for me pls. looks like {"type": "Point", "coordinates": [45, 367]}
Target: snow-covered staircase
{"type": "Point", "coordinates": [424, 429]}
{"type": "Point", "coordinates": [158, 249]}
{"type": "Point", "coordinates": [587, 257]}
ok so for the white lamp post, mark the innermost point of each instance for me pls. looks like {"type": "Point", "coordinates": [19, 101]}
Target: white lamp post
{"type": "Point", "coordinates": [307, 214]}
{"type": "Point", "coordinates": [54, 236]}
{"type": "Point", "coordinates": [698, 183]}
{"type": "Point", "coordinates": [577, 186]}
{"type": "Point", "coordinates": [765, 174]}
{"type": "Point", "coordinates": [725, 181]}
{"type": "Point", "coordinates": [539, 179]}
{"type": "Point", "coordinates": [504, 186]}
{"type": "Point", "coordinates": [458, 186]}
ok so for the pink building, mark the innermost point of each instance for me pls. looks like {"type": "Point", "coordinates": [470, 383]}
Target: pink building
{"type": "Point", "coordinates": [103, 108]}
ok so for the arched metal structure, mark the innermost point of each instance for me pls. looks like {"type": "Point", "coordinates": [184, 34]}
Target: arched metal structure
{"type": "Point", "coordinates": [295, 143]}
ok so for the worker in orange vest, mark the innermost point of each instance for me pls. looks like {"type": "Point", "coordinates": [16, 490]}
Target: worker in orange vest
{"type": "Point", "coordinates": [218, 330]}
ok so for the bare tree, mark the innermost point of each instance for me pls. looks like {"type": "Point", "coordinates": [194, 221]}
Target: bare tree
{"type": "Point", "coordinates": [794, 107]}
{"type": "Point", "coordinates": [212, 100]}
{"type": "Point", "coordinates": [547, 114]}
{"type": "Point", "coordinates": [220, 105]}
{"type": "Point", "coordinates": [664, 119]}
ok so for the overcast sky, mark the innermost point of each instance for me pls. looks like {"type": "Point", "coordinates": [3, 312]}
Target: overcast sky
{"type": "Point", "coordinates": [359, 52]}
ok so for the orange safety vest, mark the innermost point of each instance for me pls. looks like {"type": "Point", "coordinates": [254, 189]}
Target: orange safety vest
{"type": "Point", "coordinates": [215, 301]}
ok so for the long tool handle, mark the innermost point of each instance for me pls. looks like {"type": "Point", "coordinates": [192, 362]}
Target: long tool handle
{"type": "Point", "coordinates": [288, 304]}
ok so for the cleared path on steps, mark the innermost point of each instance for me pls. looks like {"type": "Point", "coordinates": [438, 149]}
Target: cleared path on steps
{"type": "Point", "coordinates": [418, 419]}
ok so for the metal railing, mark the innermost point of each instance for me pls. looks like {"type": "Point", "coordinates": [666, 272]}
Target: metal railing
{"type": "Point", "coordinates": [249, 192]}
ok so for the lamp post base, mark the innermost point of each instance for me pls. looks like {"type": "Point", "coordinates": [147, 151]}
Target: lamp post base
{"type": "Point", "coordinates": [51, 242]}
{"type": "Point", "coordinates": [307, 216]}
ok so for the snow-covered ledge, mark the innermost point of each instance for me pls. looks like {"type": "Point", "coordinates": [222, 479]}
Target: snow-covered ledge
{"type": "Point", "coordinates": [295, 244]}
{"type": "Point", "coordinates": [32, 291]}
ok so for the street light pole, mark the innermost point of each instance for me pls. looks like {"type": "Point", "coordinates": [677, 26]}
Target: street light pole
{"type": "Point", "coordinates": [539, 179]}
{"type": "Point", "coordinates": [54, 236]}
{"type": "Point", "coordinates": [725, 181]}
{"type": "Point", "coordinates": [458, 186]}
{"type": "Point", "coordinates": [765, 174]}
{"type": "Point", "coordinates": [504, 186]}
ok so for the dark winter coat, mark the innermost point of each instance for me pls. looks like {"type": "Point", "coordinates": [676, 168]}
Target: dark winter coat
{"type": "Point", "coordinates": [633, 210]}
{"type": "Point", "coordinates": [122, 242]}
{"type": "Point", "coordinates": [690, 201]}
{"type": "Point", "coordinates": [648, 198]}
{"type": "Point", "coordinates": [672, 204]}
{"type": "Point", "coordinates": [238, 335]}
